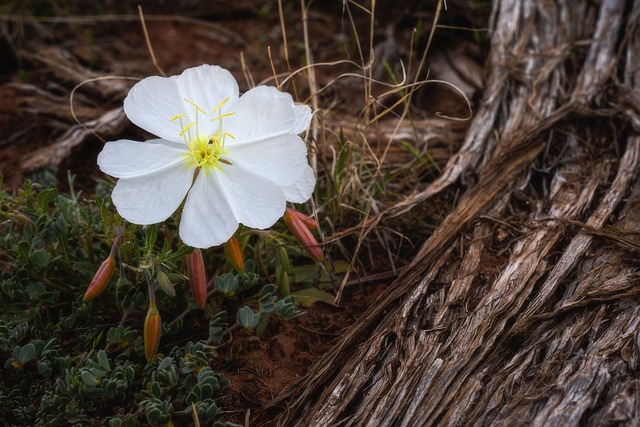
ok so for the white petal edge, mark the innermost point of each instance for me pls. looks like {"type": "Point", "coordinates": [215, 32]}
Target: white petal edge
{"type": "Point", "coordinates": [207, 218]}
{"type": "Point", "coordinates": [302, 119]}
{"type": "Point", "coordinates": [153, 197]}
{"type": "Point", "coordinates": [126, 159]}
{"type": "Point", "coordinates": [260, 113]}
{"type": "Point", "coordinates": [301, 190]}
{"type": "Point", "coordinates": [256, 202]}
{"type": "Point", "coordinates": [281, 159]}
{"type": "Point", "coordinates": [152, 102]}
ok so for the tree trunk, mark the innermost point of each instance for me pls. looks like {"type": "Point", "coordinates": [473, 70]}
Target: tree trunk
{"type": "Point", "coordinates": [522, 307]}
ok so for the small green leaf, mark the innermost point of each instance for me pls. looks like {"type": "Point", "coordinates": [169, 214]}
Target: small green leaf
{"type": "Point", "coordinates": [217, 326]}
{"type": "Point", "coordinates": [44, 198]}
{"type": "Point", "coordinates": [165, 363]}
{"type": "Point", "coordinates": [88, 379]}
{"type": "Point", "coordinates": [227, 284]}
{"type": "Point", "coordinates": [27, 353]}
{"type": "Point", "coordinates": [40, 259]}
{"type": "Point", "coordinates": [36, 290]}
{"type": "Point", "coordinates": [309, 296]}
{"type": "Point", "coordinates": [151, 236]}
{"type": "Point", "coordinates": [103, 360]}
{"type": "Point", "coordinates": [247, 318]}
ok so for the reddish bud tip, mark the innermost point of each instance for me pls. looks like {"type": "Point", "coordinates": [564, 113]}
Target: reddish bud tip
{"type": "Point", "coordinates": [306, 220]}
{"type": "Point", "coordinates": [100, 279]}
{"type": "Point", "coordinates": [197, 277]}
{"type": "Point", "coordinates": [234, 254]}
{"type": "Point", "coordinates": [299, 228]}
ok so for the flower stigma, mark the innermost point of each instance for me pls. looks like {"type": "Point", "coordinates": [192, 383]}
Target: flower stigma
{"type": "Point", "coordinates": [205, 151]}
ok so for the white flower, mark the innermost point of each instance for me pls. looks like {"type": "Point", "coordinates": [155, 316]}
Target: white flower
{"type": "Point", "coordinates": [237, 160]}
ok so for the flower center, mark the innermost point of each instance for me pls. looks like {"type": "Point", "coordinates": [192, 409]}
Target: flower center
{"type": "Point", "coordinates": [206, 153]}
{"type": "Point", "coordinates": [205, 150]}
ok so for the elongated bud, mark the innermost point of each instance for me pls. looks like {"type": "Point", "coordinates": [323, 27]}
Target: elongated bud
{"type": "Point", "coordinates": [105, 271]}
{"type": "Point", "coordinates": [311, 223]}
{"type": "Point", "coordinates": [100, 279]}
{"type": "Point", "coordinates": [299, 229]}
{"type": "Point", "coordinates": [234, 254]}
{"type": "Point", "coordinates": [197, 277]}
{"type": "Point", "coordinates": [152, 324]}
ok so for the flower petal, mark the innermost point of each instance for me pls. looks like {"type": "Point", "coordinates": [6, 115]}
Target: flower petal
{"type": "Point", "coordinates": [126, 159]}
{"type": "Point", "coordinates": [263, 112]}
{"type": "Point", "coordinates": [302, 118]}
{"type": "Point", "coordinates": [152, 197]}
{"type": "Point", "coordinates": [152, 102]}
{"type": "Point", "coordinates": [256, 202]}
{"type": "Point", "coordinates": [301, 190]}
{"type": "Point", "coordinates": [281, 159]}
{"type": "Point", "coordinates": [207, 218]}
{"type": "Point", "coordinates": [207, 86]}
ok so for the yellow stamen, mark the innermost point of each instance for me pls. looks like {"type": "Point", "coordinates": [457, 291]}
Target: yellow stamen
{"type": "Point", "coordinates": [224, 134]}
{"type": "Point", "coordinates": [205, 151]}
{"type": "Point", "coordinates": [223, 116]}
{"type": "Point", "coordinates": [224, 101]}
{"type": "Point", "coordinates": [186, 128]}
{"type": "Point", "coordinates": [195, 105]}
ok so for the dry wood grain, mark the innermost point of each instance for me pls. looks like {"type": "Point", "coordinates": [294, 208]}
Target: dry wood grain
{"type": "Point", "coordinates": [521, 308]}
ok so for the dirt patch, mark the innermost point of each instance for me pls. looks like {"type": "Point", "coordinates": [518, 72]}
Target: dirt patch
{"type": "Point", "coordinates": [260, 368]}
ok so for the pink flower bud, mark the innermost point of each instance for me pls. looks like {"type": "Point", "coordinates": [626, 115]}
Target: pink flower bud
{"type": "Point", "coordinates": [299, 226]}
{"type": "Point", "coordinates": [100, 279]}
{"type": "Point", "coordinates": [197, 277]}
{"type": "Point", "coordinates": [105, 271]}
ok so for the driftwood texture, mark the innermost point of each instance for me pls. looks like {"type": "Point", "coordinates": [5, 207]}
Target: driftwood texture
{"type": "Point", "coordinates": [522, 307]}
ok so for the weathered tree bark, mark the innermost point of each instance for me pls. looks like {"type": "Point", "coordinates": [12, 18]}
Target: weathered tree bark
{"type": "Point", "coordinates": [522, 307]}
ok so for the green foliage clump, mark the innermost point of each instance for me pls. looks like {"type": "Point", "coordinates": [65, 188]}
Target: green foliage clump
{"type": "Point", "coordinates": [67, 361]}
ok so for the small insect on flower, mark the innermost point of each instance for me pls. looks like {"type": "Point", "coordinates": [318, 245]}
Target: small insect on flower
{"type": "Point", "coordinates": [231, 159]}
{"type": "Point", "coordinates": [299, 224]}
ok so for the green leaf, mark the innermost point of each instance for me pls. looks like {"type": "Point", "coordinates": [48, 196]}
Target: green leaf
{"type": "Point", "coordinates": [266, 290]}
{"type": "Point", "coordinates": [151, 236]}
{"type": "Point", "coordinates": [313, 274]}
{"type": "Point", "coordinates": [103, 360]}
{"type": "Point", "coordinates": [36, 290]}
{"type": "Point", "coordinates": [24, 250]}
{"type": "Point", "coordinates": [44, 198]}
{"type": "Point", "coordinates": [227, 284]}
{"type": "Point", "coordinates": [27, 353]}
{"type": "Point", "coordinates": [217, 326]}
{"type": "Point", "coordinates": [266, 299]}
{"type": "Point", "coordinates": [40, 259]}
{"type": "Point", "coordinates": [286, 308]}
{"type": "Point", "coordinates": [88, 379]}
{"type": "Point", "coordinates": [247, 318]}
{"type": "Point", "coordinates": [309, 296]}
